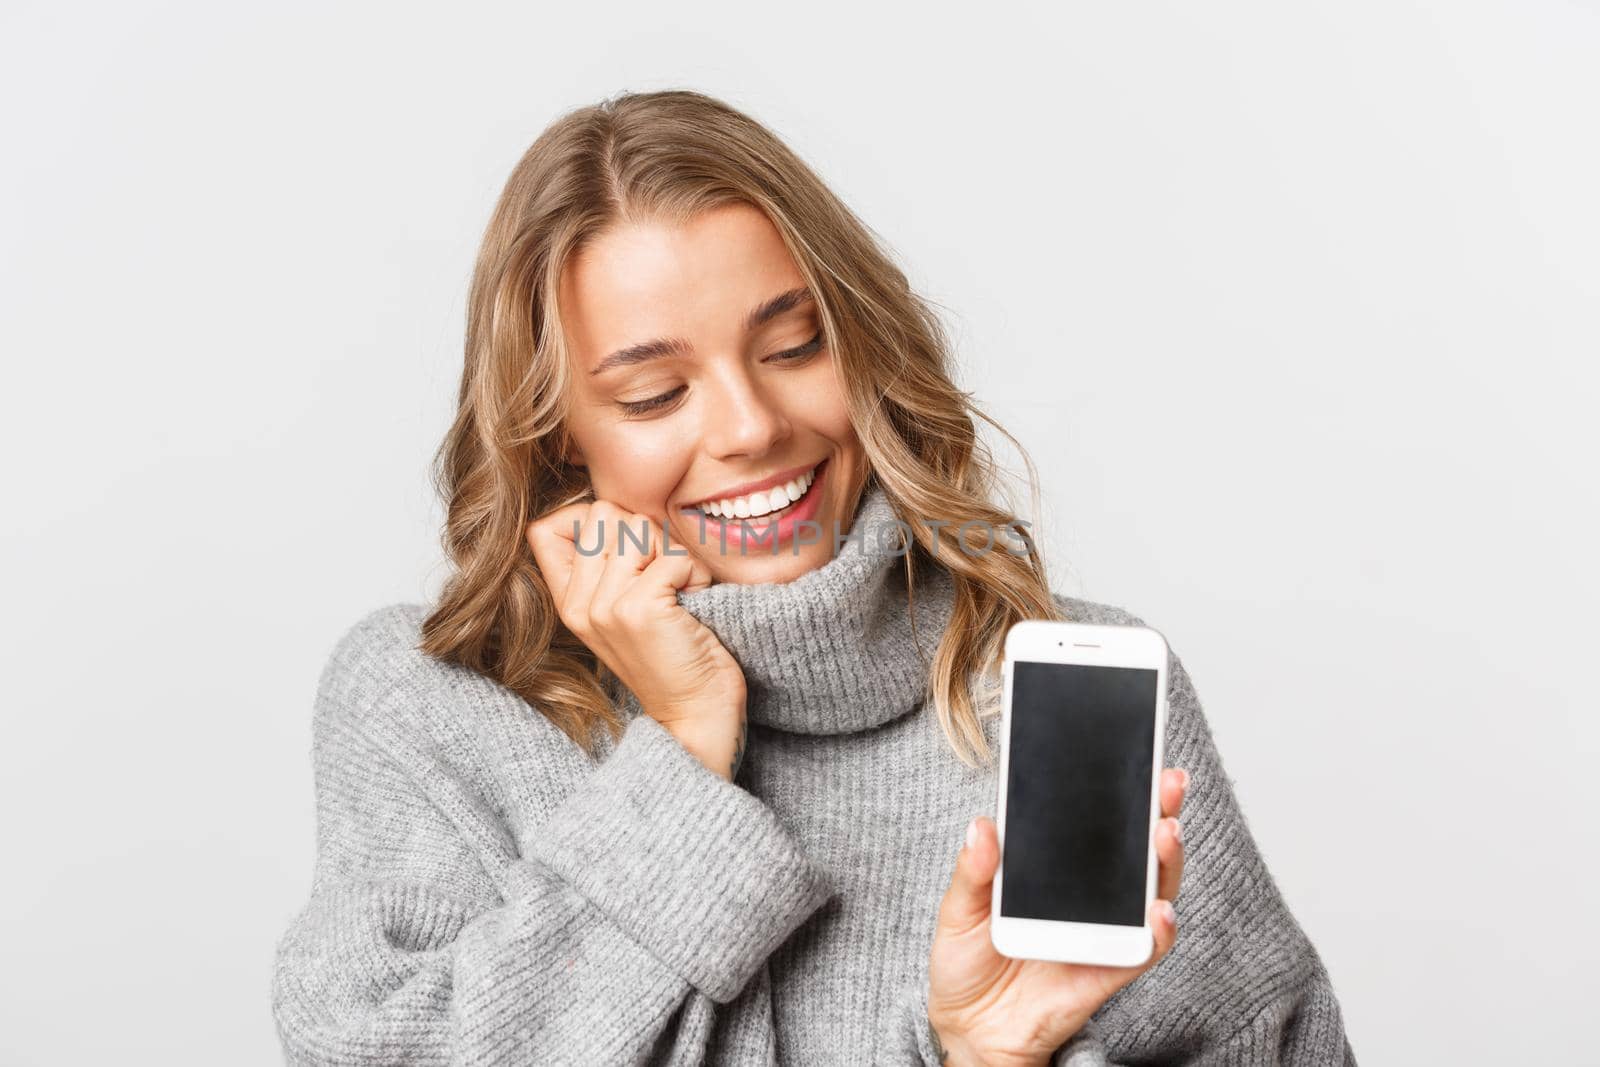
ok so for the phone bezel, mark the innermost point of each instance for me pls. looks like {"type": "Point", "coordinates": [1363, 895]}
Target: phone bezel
{"type": "Point", "coordinates": [1090, 644]}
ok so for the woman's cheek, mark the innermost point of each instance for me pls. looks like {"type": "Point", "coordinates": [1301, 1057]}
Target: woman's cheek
{"type": "Point", "coordinates": [646, 466]}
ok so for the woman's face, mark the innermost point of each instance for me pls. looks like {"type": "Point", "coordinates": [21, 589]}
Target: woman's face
{"type": "Point", "coordinates": [702, 386]}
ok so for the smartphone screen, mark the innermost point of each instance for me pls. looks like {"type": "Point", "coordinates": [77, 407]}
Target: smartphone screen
{"type": "Point", "coordinates": [1077, 837]}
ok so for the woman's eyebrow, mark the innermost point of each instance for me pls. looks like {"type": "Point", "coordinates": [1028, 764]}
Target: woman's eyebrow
{"type": "Point", "coordinates": [677, 346]}
{"type": "Point", "coordinates": [776, 306]}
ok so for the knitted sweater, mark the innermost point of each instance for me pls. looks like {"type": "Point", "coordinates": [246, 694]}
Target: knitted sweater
{"type": "Point", "coordinates": [486, 893]}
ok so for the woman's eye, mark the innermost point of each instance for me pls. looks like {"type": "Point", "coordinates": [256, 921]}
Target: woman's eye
{"type": "Point", "coordinates": [644, 407]}
{"type": "Point", "coordinates": [811, 347]}
{"type": "Point", "coordinates": [656, 403]}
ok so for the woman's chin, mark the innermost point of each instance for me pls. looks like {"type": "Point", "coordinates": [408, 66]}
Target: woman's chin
{"type": "Point", "coordinates": [753, 567]}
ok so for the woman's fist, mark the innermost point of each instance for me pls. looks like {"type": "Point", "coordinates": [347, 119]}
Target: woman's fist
{"type": "Point", "coordinates": [990, 1009]}
{"type": "Point", "coordinates": [622, 602]}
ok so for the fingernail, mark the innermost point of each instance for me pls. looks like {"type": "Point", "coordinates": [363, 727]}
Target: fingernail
{"type": "Point", "coordinates": [972, 833]}
{"type": "Point", "coordinates": [1185, 774]}
{"type": "Point", "coordinates": [1177, 831]}
{"type": "Point", "coordinates": [1167, 911]}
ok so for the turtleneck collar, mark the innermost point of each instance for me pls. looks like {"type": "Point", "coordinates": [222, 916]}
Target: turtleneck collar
{"type": "Point", "coordinates": [832, 651]}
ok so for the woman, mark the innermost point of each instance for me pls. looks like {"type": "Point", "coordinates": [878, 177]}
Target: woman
{"type": "Point", "coordinates": [662, 779]}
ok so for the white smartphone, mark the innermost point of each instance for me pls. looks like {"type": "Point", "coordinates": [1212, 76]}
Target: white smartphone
{"type": "Point", "coordinates": [1085, 714]}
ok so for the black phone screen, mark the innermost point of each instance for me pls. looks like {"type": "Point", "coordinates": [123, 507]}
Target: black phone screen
{"type": "Point", "coordinates": [1077, 832]}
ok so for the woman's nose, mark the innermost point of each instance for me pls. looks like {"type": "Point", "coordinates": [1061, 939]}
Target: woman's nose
{"type": "Point", "coordinates": [743, 421]}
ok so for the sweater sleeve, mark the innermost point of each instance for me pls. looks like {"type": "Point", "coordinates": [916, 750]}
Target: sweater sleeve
{"type": "Point", "coordinates": [910, 1038]}
{"type": "Point", "coordinates": [651, 892]}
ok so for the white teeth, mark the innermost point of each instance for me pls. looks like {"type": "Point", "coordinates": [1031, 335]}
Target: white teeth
{"type": "Point", "coordinates": [762, 502]}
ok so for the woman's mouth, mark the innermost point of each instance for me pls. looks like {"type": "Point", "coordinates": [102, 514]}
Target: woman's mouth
{"type": "Point", "coordinates": [763, 506]}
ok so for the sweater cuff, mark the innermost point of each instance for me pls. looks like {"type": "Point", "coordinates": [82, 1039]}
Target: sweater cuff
{"type": "Point", "coordinates": [917, 1033]}
{"type": "Point", "coordinates": [694, 868]}
{"type": "Point", "coordinates": [1083, 1049]}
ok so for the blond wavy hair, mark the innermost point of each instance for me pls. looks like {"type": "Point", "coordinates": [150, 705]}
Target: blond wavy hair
{"type": "Point", "coordinates": [668, 156]}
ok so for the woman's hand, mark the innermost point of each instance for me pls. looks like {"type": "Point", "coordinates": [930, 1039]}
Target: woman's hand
{"type": "Point", "coordinates": [989, 1009]}
{"type": "Point", "coordinates": [622, 602]}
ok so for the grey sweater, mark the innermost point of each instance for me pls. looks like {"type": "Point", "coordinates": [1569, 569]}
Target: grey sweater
{"type": "Point", "coordinates": [485, 893]}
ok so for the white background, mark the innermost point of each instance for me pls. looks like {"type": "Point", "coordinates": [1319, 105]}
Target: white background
{"type": "Point", "coordinates": [1294, 306]}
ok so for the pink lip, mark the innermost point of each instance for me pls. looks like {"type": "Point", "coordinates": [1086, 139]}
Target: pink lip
{"type": "Point", "coordinates": [761, 537]}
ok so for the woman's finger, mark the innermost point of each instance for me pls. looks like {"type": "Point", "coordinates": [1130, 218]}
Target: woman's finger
{"type": "Point", "coordinates": [638, 543]}
{"type": "Point", "coordinates": [595, 541]}
{"type": "Point", "coordinates": [1169, 855]}
{"type": "Point", "coordinates": [1164, 927]}
{"type": "Point", "coordinates": [550, 538]}
{"type": "Point", "coordinates": [1174, 787]}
